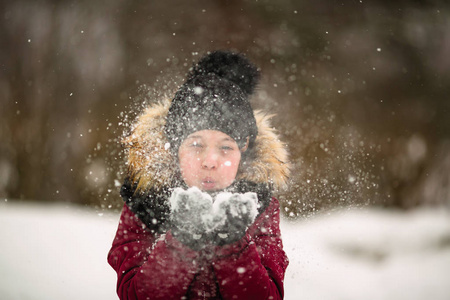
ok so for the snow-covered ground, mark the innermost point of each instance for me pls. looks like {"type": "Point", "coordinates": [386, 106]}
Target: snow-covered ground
{"type": "Point", "coordinates": [59, 252]}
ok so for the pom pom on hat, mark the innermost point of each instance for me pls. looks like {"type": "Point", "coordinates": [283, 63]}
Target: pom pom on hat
{"type": "Point", "coordinates": [215, 96]}
{"type": "Point", "coordinates": [230, 66]}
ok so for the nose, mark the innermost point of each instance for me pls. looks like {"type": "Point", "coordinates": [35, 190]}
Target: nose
{"type": "Point", "coordinates": [209, 160]}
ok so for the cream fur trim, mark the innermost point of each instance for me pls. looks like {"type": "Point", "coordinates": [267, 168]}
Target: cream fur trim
{"type": "Point", "coordinates": [152, 165]}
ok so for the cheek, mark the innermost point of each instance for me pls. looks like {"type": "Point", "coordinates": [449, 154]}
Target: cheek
{"type": "Point", "coordinates": [188, 169]}
{"type": "Point", "coordinates": [187, 161]}
{"type": "Point", "coordinates": [231, 165]}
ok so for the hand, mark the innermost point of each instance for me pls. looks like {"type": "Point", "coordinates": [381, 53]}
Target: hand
{"type": "Point", "coordinates": [231, 216]}
{"type": "Point", "coordinates": [188, 211]}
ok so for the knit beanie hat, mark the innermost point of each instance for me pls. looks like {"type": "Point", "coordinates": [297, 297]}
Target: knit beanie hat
{"type": "Point", "coordinates": [215, 96]}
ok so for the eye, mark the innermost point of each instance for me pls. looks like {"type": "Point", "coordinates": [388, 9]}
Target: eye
{"type": "Point", "coordinates": [196, 145]}
{"type": "Point", "coordinates": [227, 148]}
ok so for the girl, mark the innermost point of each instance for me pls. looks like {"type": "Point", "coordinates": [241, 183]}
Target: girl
{"type": "Point", "coordinates": [199, 220]}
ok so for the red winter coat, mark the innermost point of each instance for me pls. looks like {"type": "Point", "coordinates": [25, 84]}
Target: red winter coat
{"type": "Point", "coordinates": [160, 267]}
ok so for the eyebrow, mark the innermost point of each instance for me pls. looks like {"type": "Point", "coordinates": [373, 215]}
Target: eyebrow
{"type": "Point", "coordinates": [194, 137]}
{"type": "Point", "coordinates": [228, 139]}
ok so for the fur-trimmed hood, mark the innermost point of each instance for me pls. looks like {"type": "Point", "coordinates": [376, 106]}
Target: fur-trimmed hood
{"type": "Point", "coordinates": [152, 165]}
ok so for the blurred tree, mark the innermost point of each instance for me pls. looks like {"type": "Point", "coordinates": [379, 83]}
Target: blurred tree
{"type": "Point", "coordinates": [360, 90]}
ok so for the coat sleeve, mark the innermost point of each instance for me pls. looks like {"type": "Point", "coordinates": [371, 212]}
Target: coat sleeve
{"type": "Point", "coordinates": [149, 268]}
{"type": "Point", "coordinates": [254, 267]}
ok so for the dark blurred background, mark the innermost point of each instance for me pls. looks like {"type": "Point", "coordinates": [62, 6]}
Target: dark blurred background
{"type": "Point", "coordinates": [360, 89]}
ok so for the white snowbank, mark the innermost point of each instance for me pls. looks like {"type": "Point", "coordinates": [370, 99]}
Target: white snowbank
{"type": "Point", "coordinates": [59, 252]}
{"type": "Point", "coordinates": [369, 254]}
{"type": "Point", "coordinates": [55, 252]}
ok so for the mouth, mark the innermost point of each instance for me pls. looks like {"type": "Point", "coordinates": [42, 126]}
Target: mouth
{"type": "Point", "coordinates": [208, 183]}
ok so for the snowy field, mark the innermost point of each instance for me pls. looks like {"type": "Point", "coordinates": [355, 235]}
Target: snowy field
{"type": "Point", "coordinates": [59, 252]}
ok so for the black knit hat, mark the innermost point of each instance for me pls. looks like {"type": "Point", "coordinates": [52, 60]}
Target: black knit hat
{"type": "Point", "coordinates": [215, 96]}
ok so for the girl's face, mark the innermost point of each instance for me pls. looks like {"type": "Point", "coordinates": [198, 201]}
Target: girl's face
{"type": "Point", "coordinates": [209, 160]}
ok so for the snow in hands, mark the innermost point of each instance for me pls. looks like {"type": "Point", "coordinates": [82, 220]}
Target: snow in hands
{"type": "Point", "coordinates": [197, 218]}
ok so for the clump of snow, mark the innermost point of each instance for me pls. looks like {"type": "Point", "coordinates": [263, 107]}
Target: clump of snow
{"type": "Point", "coordinates": [194, 194]}
{"type": "Point", "coordinates": [54, 252]}
{"type": "Point", "coordinates": [236, 205]}
{"type": "Point", "coordinates": [198, 90]}
{"type": "Point", "coordinates": [213, 212]}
